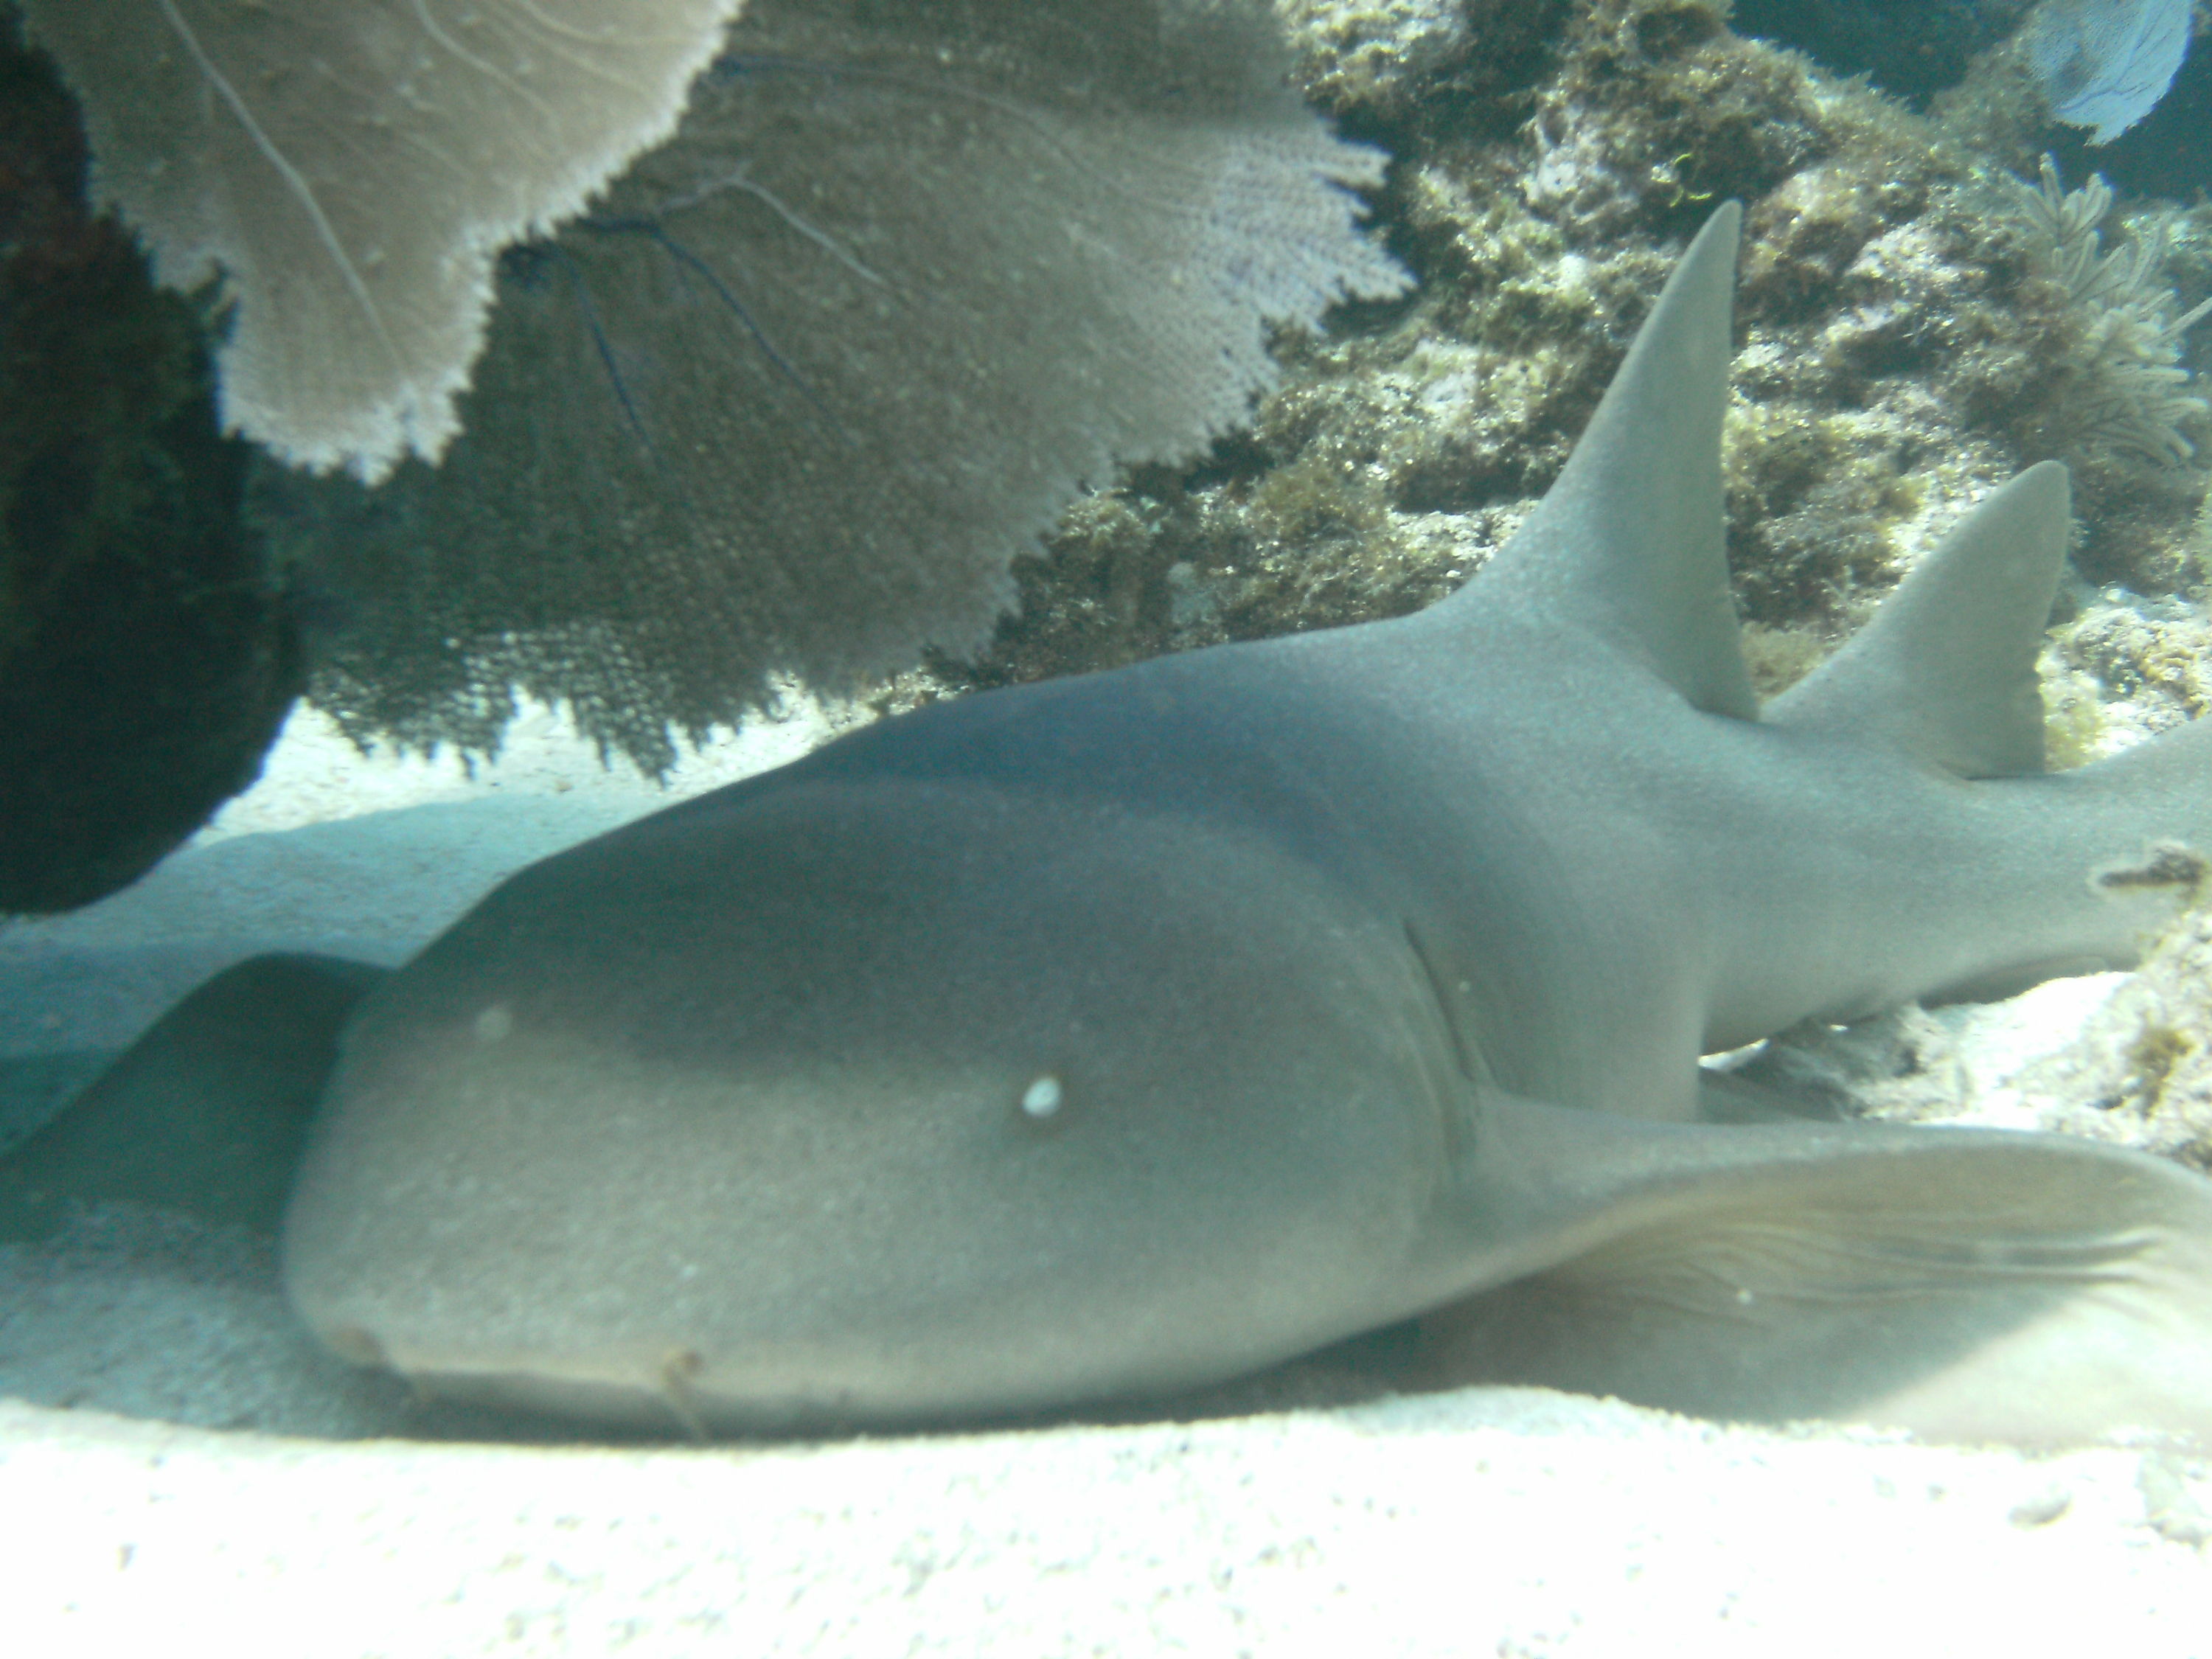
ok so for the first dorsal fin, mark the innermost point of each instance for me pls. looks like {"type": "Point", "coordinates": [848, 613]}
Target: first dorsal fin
{"type": "Point", "coordinates": [1946, 670]}
{"type": "Point", "coordinates": [1630, 543]}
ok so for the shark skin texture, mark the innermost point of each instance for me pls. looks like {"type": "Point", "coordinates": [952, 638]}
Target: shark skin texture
{"type": "Point", "coordinates": [1119, 1035]}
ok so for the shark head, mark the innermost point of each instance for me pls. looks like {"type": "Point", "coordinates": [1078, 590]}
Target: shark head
{"type": "Point", "coordinates": [815, 1104]}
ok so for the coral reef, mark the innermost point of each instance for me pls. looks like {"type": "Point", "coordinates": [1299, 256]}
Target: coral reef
{"type": "Point", "coordinates": [1974, 59]}
{"type": "Point", "coordinates": [1911, 48]}
{"type": "Point", "coordinates": [2137, 1071]}
{"type": "Point", "coordinates": [2140, 1072]}
{"type": "Point", "coordinates": [1912, 334]}
{"type": "Point", "coordinates": [676, 481]}
{"type": "Point", "coordinates": [146, 657]}
{"type": "Point", "coordinates": [2142, 666]}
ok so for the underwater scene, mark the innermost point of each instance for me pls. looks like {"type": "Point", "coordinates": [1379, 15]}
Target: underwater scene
{"type": "Point", "coordinates": [1091, 825]}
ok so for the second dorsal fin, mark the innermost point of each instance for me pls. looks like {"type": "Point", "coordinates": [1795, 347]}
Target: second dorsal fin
{"type": "Point", "coordinates": [1946, 670]}
{"type": "Point", "coordinates": [1631, 542]}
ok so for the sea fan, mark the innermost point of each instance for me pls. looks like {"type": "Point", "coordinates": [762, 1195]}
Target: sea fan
{"type": "Point", "coordinates": [351, 168]}
{"type": "Point", "coordinates": [2104, 63]}
{"type": "Point", "coordinates": [794, 393]}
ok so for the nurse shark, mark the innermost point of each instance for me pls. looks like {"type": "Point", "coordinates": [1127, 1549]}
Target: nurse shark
{"type": "Point", "coordinates": [1127, 1033]}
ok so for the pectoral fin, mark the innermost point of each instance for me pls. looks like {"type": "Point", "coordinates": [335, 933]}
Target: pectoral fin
{"type": "Point", "coordinates": [1965, 1284]}
{"type": "Point", "coordinates": [206, 1112]}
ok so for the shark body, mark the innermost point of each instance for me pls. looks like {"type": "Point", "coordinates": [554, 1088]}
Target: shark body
{"type": "Point", "coordinates": [1127, 1033]}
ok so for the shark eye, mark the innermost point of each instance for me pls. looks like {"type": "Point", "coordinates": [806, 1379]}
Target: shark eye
{"type": "Point", "coordinates": [1043, 1098]}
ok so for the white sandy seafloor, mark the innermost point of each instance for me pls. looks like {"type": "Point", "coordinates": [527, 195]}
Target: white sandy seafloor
{"type": "Point", "coordinates": [175, 1457]}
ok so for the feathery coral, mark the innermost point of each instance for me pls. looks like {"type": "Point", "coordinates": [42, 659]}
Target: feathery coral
{"type": "Point", "coordinates": [2126, 390]}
